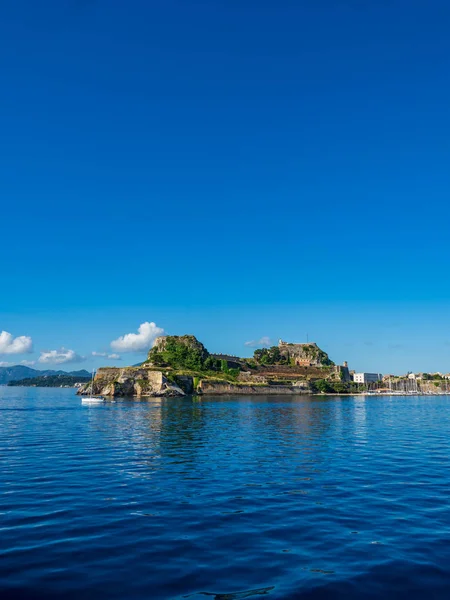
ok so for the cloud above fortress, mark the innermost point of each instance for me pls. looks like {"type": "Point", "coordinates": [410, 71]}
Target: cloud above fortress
{"type": "Point", "coordinates": [141, 341]}
{"type": "Point", "coordinates": [106, 355]}
{"type": "Point", "coordinates": [263, 342]}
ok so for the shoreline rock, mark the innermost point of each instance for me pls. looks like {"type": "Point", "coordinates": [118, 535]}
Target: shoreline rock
{"type": "Point", "coordinates": [129, 381]}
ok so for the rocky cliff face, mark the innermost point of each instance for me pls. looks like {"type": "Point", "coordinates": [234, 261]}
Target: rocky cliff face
{"type": "Point", "coordinates": [131, 381]}
{"type": "Point", "coordinates": [304, 353]}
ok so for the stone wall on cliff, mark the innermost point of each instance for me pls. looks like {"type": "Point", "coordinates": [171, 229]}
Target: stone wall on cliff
{"type": "Point", "coordinates": [222, 387]}
{"type": "Point", "coordinates": [131, 381]}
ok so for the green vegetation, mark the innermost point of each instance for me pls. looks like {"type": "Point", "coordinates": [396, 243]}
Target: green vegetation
{"type": "Point", "coordinates": [230, 376]}
{"type": "Point", "coordinates": [50, 381]}
{"type": "Point", "coordinates": [185, 355]}
{"type": "Point", "coordinates": [325, 359]}
{"type": "Point", "coordinates": [181, 352]}
{"type": "Point", "coordinates": [270, 356]}
{"type": "Point", "coordinates": [274, 356]}
{"type": "Point", "coordinates": [434, 376]}
{"type": "Point", "coordinates": [318, 355]}
{"type": "Point", "coordinates": [322, 386]}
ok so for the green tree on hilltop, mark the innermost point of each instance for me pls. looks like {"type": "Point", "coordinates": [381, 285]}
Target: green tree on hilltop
{"type": "Point", "coordinates": [184, 353]}
{"type": "Point", "coordinates": [270, 356]}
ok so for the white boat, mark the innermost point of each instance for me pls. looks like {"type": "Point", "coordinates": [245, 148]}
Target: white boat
{"type": "Point", "coordinates": [92, 399]}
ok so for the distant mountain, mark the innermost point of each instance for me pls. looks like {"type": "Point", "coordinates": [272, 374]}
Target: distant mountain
{"type": "Point", "coordinates": [51, 381]}
{"type": "Point", "coordinates": [19, 372]}
{"type": "Point", "coordinates": [82, 373]}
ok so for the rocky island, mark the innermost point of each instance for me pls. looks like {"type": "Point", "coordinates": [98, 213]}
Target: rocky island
{"type": "Point", "coordinates": [181, 365]}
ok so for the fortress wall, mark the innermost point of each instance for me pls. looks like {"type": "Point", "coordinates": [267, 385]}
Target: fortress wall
{"type": "Point", "coordinates": [212, 387]}
{"type": "Point", "coordinates": [107, 373]}
{"type": "Point", "coordinates": [299, 372]}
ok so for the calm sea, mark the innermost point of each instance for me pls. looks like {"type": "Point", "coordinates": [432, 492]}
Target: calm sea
{"type": "Point", "coordinates": [224, 498]}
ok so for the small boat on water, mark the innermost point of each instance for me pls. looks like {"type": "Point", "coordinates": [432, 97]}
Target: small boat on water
{"type": "Point", "coordinates": [91, 399]}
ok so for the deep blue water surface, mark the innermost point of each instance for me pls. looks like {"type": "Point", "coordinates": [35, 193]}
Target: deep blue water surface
{"type": "Point", "coordinates": [224, 498]}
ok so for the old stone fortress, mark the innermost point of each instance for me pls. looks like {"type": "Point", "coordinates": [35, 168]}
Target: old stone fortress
{"type": "Point", "coordinates": [181, 365]}
{"type": "Point", "coordinates": [304, 355]}
{"type": "Point", "coordinates": [310, 355]}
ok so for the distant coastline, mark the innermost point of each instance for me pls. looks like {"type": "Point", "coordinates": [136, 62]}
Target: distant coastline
{"type": "Point", "coordinates": [67, 381]}
{"type": "Point", "coordinates": [22, 372]}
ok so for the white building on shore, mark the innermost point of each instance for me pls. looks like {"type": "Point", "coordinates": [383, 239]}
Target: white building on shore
{"type": "Point", "coordinates": [367, 377]}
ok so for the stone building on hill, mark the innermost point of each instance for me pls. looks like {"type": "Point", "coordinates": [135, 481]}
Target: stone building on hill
{"type": "Point", "coordinates": [304, 355]}
{"type": "Point", "coordinates": [310, 355]}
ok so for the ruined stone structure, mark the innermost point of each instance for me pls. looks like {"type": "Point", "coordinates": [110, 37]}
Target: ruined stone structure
{"type": "Point", "coordinates": [304, 355]}
{"type": "Point", "coordinates": [132, 381]}
{"type": "Point", "coordinates": [232, 361]}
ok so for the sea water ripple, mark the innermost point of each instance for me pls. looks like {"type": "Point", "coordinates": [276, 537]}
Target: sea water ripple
{"type": "Point", "coordinates": [224, 498]}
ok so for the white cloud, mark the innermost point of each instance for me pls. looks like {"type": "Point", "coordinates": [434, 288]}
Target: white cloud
{"type": "Point", "coordinates": [5, 364]}
{"type": "Point", "coordinates": [11, 345]}
{"type": "Point", "coordinates": [138, 342]}
{"type": "Point", "coordinates": [28, 363]}
{"type": "Point", "coordinates": [106, 355]}
{"type": "Point", "coordinates": [58, 357]}
{"type": "Point", "coordinates": [265, 341]}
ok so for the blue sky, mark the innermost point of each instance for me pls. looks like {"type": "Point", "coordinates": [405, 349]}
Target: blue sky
{"type": "Point", "coordinates": [231, 169]}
